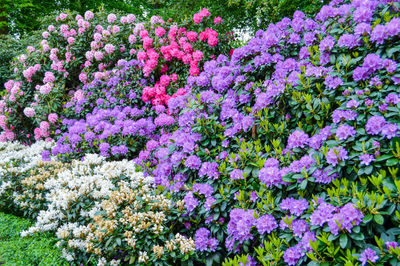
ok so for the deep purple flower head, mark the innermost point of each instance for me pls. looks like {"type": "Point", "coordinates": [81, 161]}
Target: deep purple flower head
{"type": "Point", "coordinates": [236, 174]}
{"type": "Point", "coordinates": [333, 82]}
{"type": "Point", "coordinates": [363, 14]}
{"type": "Point", "coordinates": [391, 245]}
{"type": "Point", "coordinates": [390, 65]}
{"type": "Point", "coordinates": [299, 227]}
{"type": "Point", "coordinates": [193, 162]}
{"type": "Point", "coordinates": [348, 40]}
{"type": "Point", "coordinates": [379, 34]}
{"type": "Point", "coordinates": [390, 130]}
{"type": "Point", "coordinates": [271, 162]}
{"type": "Point", "coordinates": [306, 239]}
{"type": "Point", "coordinates": [209, 203]}
{"type": "Point", "coordinates": [362, 29]}
{"type": "Point", "coordinates": [368, 255]}
{"type": "Point", "coordinates": [392, 99]}
{"type": "Point", "coordinates": [348, 217]}
{"type": "Point", "coordinates": [375, 124]}
{"type": "Point", "coordinates": [104, 147]}
{"type": "Point", "coordinates": [327, 44]}
{"type": "Point", "coordinates": [345, 131]}
{"type": "Point", "coordinates": [343, 115]}
{"type": "Point", "coordinates": [373, 62]}
{"type": "Point", "coordinates": [295, 207]}
{"type": "Point", "coordinates": [266, 223]}
{"type": "Point", "coordinates": [322, 176]}
{"type": "Point", "coordinates": [209, 169]}
{"type": "Point", "coordinates": [164, 120]}
{"type": "Point", "coordinates": [271, 176]}
{"type": "Point", "coordinates": [204, 189]}
{"type": "Point", "coordinates": [203, 241]}
{"type": "Point", "coordinates": [240, 224]}
{"type": "Point", "coordinates": [297, 139]}
{"type": "Point", "coordinates": [352, 104]}
{"type": "Point", "coordinates": [190, 201]}
{"type": "Point", "coordinates": [89, 136]}
{"type": "Point", "coordinates": [292, 255]}
{"type": "Point", "coordinates": [322, 214]}
{"type": "Point", "coordinates": [366, 159]}
{"type": "Point", "coordinates": [336, 155]}
{"type": "Point", "coordinates": [46, 155]}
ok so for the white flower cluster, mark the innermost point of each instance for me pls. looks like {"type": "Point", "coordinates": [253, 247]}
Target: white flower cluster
{"type": "Point", "coordinates": [90, 179]}
{"type": "Point", "coordinates": [17, 158]}
{"type": "Point", "coordinates": [88, 203]}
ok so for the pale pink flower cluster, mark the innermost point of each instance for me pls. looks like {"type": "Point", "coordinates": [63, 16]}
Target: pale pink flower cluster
{"type": "Point", "coordinates": [48, 77]}
{"type": "Point", "coordinates": [45, 89]}
{"type": "Point", "coordinates": [89, 15]}
{"type": "Point", "coordinates": [111, 18]}
{"type": "Point", "coordinates": [29, 112]}
{"type": "Point", "coordinates": [109, 48]}
{"type": "Point", "coordinates": [53, 117]}
{"type": "Point", "coordinates": [30, 71]}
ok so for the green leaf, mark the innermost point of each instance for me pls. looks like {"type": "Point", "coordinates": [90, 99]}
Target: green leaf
{"type": "Point", "coordinates": [357, 236]}
{"type": "Point", "coordinates": [384, 157]}
{"type": "Point", "coordinates": [379, 219]}
{"type": "Point", "coordinates": [343, 241]}
{"type": "Point", "coordinates": [392, 162]}
{"type": "Point", "coordinates": [368, 169]}
{"type": "Point", "coordinates": [303, 184]}
{"type": "Point", "coordinates": [288, 179]}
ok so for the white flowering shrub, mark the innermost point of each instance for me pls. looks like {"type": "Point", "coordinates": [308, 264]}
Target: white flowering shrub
{"type": "Point", "coordinates": [31, 197]}
{"type": "Point", "coordinates": [16, 162]}
{"type": "Point", "coordinates": [104, 212]}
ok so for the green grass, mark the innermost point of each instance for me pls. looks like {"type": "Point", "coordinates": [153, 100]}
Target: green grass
{"type": "Point", "coordinates": [37, 250]}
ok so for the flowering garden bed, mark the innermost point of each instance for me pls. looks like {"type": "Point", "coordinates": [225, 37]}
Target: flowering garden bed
{"type": "Point", "coordinates": [157, 143]}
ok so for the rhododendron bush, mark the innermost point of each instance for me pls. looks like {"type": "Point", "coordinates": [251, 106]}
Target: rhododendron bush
{"type": "Point", "coordinates": [78, 49]}
{"type": "Point", "coordinates": [286, 151]}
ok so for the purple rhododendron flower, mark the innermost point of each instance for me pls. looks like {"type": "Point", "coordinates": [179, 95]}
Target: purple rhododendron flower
{"type": "Point", "coordinates": [366, 159]}
{"type": "Point", "coordinates": [368, 255]}
{"type": "Point", "coordinates": [336, 155]}
{"type": "Point", "coordinates": [348, 217]}
{"type": "Point", "coordinates": [266, 223]}
{"type": "Point", "coordinates": [322, 176]}
{"type": "Point", "coordinates": [390, 130]}
{"type": "Point", "coordinates": [203, 241]}
{"type": "Point", "coordinates": [299, 227]}
{"type": "Point", "coordinates": [193, 162]}
{"type": "Point", "coordinates": [292, 255]}
{"type": "Point", "coordinates": [322, 214]}
{"type": "Point", "coordinates": [375, 124]}
{"type": "Point", "coordinates": [391, 245]}
{"type": "Point", "coordinates": [190, 201]}
{"type": "Point", "coordinates": [271, 176]}
{"type": "Point", "coordinates": [297, 139]}
{"type": "Point", "coordinates": [240, 225]}
{"type": "Point", "coordinates": [345, 131]}
{"type": "Point", "coordinates": [209, 169]}
{"type": "Point", "coordinates": [295, 207]}
{"type": "Point", "coordinates": [236, 174]}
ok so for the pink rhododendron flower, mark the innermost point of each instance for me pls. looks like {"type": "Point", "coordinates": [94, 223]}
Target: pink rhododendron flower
{"type": "Point", "coordinates": [29, 112]}
{"type": "Point", "coordinates": [52, 118]}
{"type": "Point", "coordinates": [111, 18]}
{"type": "Point", "coordinates": [160, 31]}
{"type": "Point", "coordinates": [217, 20]}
